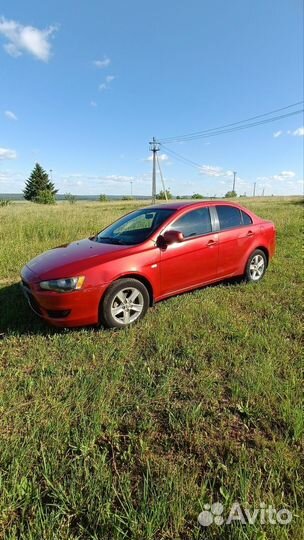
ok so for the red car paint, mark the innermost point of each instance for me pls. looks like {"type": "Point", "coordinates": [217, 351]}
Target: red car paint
{"type": "Point", "coordinates": [166, 270]}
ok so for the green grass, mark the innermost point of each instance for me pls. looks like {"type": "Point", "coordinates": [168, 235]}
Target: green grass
{"type": "Point", "coordinates": [126, 435]}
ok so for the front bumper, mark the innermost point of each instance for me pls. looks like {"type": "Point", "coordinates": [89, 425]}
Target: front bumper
{"type": "Point", "coordinates": [76, 308]}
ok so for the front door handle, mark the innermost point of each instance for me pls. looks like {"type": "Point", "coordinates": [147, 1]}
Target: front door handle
{"type": "Point", "coordinates": [250, 233]}
{"type": "Point", "coordinates": [211, 243]}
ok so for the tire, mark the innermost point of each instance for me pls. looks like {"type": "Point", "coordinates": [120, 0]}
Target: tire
{"type": "Point", "coordinates": [256, 266]}
{"type": "Point", "coordinates": [125, 302]}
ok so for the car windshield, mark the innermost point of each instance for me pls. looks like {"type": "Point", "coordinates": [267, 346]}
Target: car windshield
{"type": "Point", "coordinates": [134, 228]}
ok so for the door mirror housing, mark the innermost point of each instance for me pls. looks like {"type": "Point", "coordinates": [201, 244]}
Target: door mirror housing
{"type": "Point", "coordinates": [172, 237]}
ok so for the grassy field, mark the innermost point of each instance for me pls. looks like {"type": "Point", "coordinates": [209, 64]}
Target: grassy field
{"type": "Point", "coordinates": [126, 435]}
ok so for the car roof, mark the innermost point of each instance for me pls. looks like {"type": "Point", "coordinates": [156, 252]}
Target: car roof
{"type": "Point", "coordinates": [178, 205]}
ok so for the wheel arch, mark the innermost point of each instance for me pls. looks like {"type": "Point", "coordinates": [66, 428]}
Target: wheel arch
{"type": "Point", "coordinates": [265, 251]}
{"type": "Point", "coordinates": [262, 248]}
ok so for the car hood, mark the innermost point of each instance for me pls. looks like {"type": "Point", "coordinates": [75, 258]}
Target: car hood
{"type": "Point", "coordinates": [70, 259]}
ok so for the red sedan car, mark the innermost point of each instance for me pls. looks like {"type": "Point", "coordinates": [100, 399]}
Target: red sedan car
{"type": "Point", "coordinates": [146, 256]}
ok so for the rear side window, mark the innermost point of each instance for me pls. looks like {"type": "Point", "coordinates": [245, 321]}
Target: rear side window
{"type": "Point", "coordinates": [229, 217]}
{"type": "Point", "coordinates": [246, 219]}
{"type": "Point", "coordinates": [194, 223]}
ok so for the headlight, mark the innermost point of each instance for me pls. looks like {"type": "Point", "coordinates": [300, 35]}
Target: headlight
{"type": "Point", "coordinates": [63, 285]}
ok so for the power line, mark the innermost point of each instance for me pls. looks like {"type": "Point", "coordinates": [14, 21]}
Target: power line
{"type": "Point", "coordinates": [227, 128]}
{"type": "Point", "coordinates": [181, 158]}
{"type": "Point", "coordinates": [235, 126]}
{"type": "Point", "coordinates": [188, 161]}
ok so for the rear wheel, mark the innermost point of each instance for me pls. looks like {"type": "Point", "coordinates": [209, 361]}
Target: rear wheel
{"type": "Point", "coordinates": [125, 302]}
{"type": "Point", "coordinates": [256, 266]}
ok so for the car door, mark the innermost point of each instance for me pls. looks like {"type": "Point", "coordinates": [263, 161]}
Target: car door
{"type": "Point", "coordinates": [193, 261]}
{"type": "Point", "coordinates": [236, 234]}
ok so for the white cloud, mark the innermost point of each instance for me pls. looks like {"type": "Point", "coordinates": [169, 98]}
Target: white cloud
{"type": "Point", "coordinates": [108, 80]}
{"type": "Point", "coordinates": [240, 182]}
{"type": "Point", "coordinates": [214, 171]}
{"type": "Point", "coordinates": [93, 103]}
{"type": "Point", "coordinates": [7, 153]}
{"type": "Point", "coordinates": [106, 84]}
{"type": "Point", "coordinates": [70, 181]}
{"type": "Point", "coordinates": [77, 179]}
{"type": "Point", "coordinates": [80, 178]}
{"type": "Point", "coordinates": [11, 180]}
{"type": "Point", "coordinates": [26, 39]}
{"type": "Point", "coordinates": [100, 64]}
{"type": "Point", "coordinates": [283, 176]}
{"type": "Point", "coordinates": [288, 174]}
{"type": "Point", "coordinates": [117, 178]}
{"type": "Point", "coordinates": [299, 132]}
{"type": "Point", "coordinates": [4, 177]}
{"type": "Point", "coordinates": [10, 115]}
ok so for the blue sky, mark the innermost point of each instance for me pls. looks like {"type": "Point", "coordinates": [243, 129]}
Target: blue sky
{"type": "Point", "coordinates": [85, 85]}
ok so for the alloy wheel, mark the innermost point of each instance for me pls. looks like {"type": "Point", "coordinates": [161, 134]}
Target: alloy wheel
{"type": "Point", "coordinates": [127, 305]}
{"type": "Point", "coordinates": [257, 267]}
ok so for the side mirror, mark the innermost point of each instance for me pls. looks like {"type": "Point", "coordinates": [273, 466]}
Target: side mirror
{"type": "Point", "coordinates": [171, 237]}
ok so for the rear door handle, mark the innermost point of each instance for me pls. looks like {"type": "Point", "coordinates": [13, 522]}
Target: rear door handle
{"type": "Point", "coordinates": [250, 233]}
{"type": "Point", "coordinates": [211, 243]}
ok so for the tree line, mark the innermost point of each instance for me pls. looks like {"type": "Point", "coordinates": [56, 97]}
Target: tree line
{"type": "Point", "coordinates": [40, 189]}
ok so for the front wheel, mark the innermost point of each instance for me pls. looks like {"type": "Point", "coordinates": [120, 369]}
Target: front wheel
{"type": "Point", "coordinates": [125, 302]}
{"type": "Point", "coordinates": [256, 266]}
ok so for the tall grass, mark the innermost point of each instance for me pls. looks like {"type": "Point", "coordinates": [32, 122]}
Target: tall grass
{"type": "Point", "coordinates": [126, 435]}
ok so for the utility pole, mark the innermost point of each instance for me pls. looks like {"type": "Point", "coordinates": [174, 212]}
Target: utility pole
{"type": "Point", "coordinates": [51, 174]}
{"type": "Point", "coordinates": [154, 148]}
{"type": "Point", "coordinates": [234, 175]}
{"type": "Point", "coordinates": [131, 182]}
{"type": "Point", "coordinates": [254, 186]}
{"type": "Point", "coordinates": [263, 192]}
{"type": "Point", "coordinates": [162, 178]}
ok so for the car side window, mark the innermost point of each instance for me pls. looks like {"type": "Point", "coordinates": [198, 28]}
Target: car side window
{"type": "Point", "coordinates": [246, 219]}
{"type": "Point", "coordinates": [194, 223]}
{"type": "Point", "coordinates": [229, 217]}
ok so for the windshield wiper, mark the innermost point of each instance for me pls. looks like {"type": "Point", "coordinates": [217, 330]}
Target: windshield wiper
{"type": "Point", "coordinates": [109, 239]}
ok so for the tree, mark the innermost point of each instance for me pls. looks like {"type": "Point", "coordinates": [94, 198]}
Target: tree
{"type": "Point", "coordinates": [197, 196]}
{"type": "Point", "coordinates": [70, 198]}
{"type": "Point", "coordinates": [103, 198]}
{"type": "Point", "coordinates": [230, 194]}
{"type": "Point", "coordinates": [5, 202]}
{"type": "Point", "coordinates": [45, 196]}
{"type": "Point", "coordinates": [38, 181]}
{"type": "Point", "coordinates": [161, 195]}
